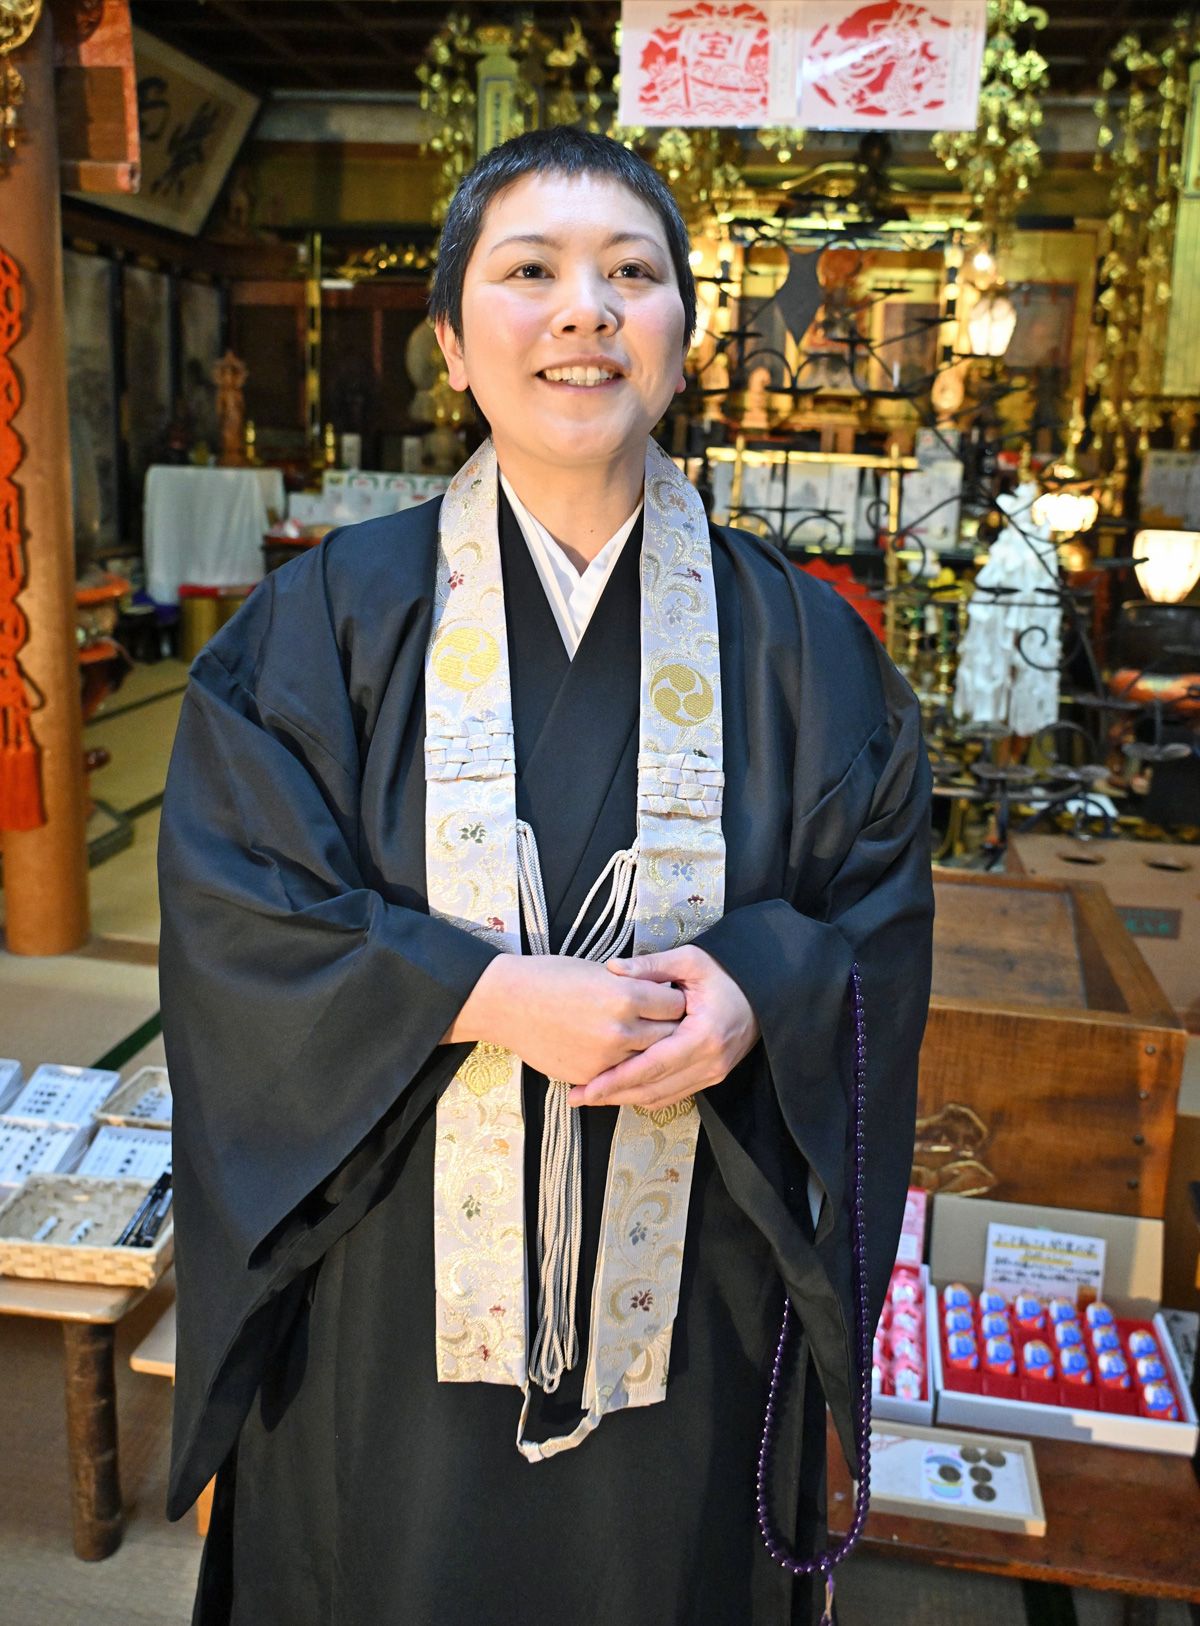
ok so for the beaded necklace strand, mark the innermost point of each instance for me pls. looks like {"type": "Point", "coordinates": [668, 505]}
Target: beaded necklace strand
{"type": "Point", "coordinates": [779, 1550]}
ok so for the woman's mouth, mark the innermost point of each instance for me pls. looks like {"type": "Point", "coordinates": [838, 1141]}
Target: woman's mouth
{"type": "Point", "coordinates": [588, 378]}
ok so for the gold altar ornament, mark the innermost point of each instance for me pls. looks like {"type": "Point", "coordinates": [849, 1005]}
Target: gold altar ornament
{"type": "Point", "coordinates": [1000, 157]}
{"type": "Point", "coordinates": [362, 264]}
{"type": "Point", "coordinates": [784, 140]}
{"type": "Point", "coordinates": [18, 19]}
{"type": "Point", "coordinates": [1140, 145]}
{"type": "Point", "coordinates": [483, 81]}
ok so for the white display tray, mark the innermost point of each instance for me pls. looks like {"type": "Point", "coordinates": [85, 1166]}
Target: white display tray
{"type": "Point", "coordinates": [10, 1081]}
{"type": "Point", "coordinates": [60, 1151]}
{"type": "Point", "coordinates": [62, 1095]}
{"type": "Point", "coordinates": [890, 1408]}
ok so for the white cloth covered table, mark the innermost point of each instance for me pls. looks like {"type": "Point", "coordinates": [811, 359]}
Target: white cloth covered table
{"type": "Point", "coordinates": [206, 526]}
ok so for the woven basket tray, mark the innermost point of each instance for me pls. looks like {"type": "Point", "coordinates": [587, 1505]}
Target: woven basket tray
{"type": "Point", "coordinates": [109, 1203]}
{"type": "Point", "coordinates": [118, 1108]}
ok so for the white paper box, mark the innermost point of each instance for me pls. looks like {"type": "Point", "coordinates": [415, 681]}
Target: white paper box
{"type": "Point", "coordinates": [896, 1489]}
{"type": "Point", "coordinates": [1133, 1278]}
{"type": "Point", "coordinates": [891, 1408]}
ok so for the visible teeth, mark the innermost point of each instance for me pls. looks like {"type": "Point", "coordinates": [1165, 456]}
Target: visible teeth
{"type": "Point", "coordinates": [578, 375]}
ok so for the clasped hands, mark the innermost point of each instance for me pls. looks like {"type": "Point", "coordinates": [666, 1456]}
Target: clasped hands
{"type": "Point", "coordinates": [643, 1032]}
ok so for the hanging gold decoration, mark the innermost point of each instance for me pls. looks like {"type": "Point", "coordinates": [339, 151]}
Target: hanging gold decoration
{"type": "Point", "coordinates": [505, 79]}
{"type": "Point", "coordinates": [1000, 157]}
{"type": "Point", "coordinates": [1140, 146]}
{"type": "Point", "coordinates": [702, 167]}
{"type": "Point", "coordinates": [536, 82]}
{"type": "Point", "coordinates": [18, 19]}
{"type": "Point", "coordinates": [784, 140]}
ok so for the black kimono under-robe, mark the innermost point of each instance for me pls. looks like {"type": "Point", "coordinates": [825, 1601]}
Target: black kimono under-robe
{"type": "Point", "coordinates": [305, 990]}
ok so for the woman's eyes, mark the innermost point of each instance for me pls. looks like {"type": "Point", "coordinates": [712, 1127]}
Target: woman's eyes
{"type": "Point", "coordinates": [532, 271]}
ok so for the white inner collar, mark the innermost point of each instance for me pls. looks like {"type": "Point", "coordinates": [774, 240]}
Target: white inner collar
{"type": "Point", "coordinates": [573, 597]}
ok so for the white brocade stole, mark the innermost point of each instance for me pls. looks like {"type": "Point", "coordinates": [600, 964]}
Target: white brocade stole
{"type": "Point", "coordinates": [479, 874]}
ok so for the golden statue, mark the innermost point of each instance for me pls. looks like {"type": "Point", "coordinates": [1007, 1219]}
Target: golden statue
{"type": "Point", "coordinates": [230, 375]}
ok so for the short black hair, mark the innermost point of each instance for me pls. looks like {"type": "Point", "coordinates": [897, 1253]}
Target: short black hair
{"type": "Point", "coordinates": [560, 150]}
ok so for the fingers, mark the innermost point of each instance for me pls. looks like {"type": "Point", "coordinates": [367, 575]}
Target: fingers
{"type": "Point", "coordinates": [646, 1034]}
{"type": "Point", "coordinates": [666, 1070]}
{"type": "Point", "coordinates": [671, 965]}
{"type": "Point", "coordinates": [658, 1001]}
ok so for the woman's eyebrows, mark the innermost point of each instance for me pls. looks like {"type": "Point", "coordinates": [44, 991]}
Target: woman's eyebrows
{"type": "Point", "coordinates": [540, 240]}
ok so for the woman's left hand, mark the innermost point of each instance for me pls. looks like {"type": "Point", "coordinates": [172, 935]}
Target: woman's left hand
{"type": "Point", "coordinates": [717, 1030]}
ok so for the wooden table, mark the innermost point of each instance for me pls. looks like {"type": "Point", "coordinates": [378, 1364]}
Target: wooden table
{"type": "Point", "coordinates": [1116, 1521]}
{"type": "Point", "coordinates": [89, 1317]}
{"type": "Point", "coordinates": [155, 1355]}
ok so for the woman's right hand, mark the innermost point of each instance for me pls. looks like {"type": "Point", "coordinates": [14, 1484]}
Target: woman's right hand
{"type": "Point", "coordinates": [567, 1018]}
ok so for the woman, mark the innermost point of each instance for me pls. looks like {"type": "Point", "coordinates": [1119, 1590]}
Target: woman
{"type": "Point", "coordinates": [516, 854]}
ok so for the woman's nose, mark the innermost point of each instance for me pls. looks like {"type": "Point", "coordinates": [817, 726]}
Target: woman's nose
{"type": "Point", "coordinates": [589, 306]}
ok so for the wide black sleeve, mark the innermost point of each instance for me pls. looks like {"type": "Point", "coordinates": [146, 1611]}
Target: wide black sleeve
{"type": "Point", "coordinates": [302, 1011]}
{"type": "Point", "coordinates": [794, 966]}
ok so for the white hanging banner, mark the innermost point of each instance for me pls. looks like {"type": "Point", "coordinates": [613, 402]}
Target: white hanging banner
{"type": "Point", "coordinates": [820, 64]}
{"type": "Point", "coordinates": [893, 65]}
{"type": "Point", "coordinates": [725, 62]}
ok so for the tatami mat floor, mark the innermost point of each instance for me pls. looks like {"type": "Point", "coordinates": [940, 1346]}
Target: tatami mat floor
{"type": "Point", "coordinates": [101, 1004]}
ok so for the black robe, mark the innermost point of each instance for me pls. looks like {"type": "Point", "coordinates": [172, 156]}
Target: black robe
{"type": "Point", "coordinates": [305, 990]}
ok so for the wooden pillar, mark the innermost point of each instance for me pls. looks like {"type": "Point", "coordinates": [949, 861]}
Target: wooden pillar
{"type": "Point", "coordinates": [45, 870]}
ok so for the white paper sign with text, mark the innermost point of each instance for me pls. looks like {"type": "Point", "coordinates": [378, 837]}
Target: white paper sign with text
{"type": "Point", "coordinates": [1049, 1263]}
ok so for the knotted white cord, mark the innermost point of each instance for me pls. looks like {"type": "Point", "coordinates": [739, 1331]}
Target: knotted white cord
{"type": "Point", "coordinates": [555, 1347]}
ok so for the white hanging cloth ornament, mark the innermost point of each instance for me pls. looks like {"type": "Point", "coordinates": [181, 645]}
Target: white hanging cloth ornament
{"type": "Point", "coordinates": [1009, 658]}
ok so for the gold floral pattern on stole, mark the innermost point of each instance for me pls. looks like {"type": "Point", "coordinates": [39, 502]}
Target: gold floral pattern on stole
{"type": "Point", "coordinates": [485, 1069]}
{"type": "Point", "coordinates": [662, 1116]}
{"type": "Point", "coordinates": [471, 873]}
{"type": "Point", "coordinates": [680, 891]}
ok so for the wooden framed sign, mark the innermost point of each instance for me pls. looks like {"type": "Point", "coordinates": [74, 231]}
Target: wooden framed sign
{"type": "Point", "coordinates": [192, 122]}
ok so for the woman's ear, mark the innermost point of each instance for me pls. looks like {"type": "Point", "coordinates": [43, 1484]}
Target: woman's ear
{"type": "Point", "coordinates": [451, 347]}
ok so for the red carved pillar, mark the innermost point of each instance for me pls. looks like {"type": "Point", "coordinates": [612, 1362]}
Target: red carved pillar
{"type": "Point", "coordinates": [45, 869]}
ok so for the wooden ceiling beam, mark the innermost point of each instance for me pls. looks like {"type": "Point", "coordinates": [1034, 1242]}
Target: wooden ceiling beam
{"type": "Point", "coordinates": [279, 47]}
{"type": "Point", "coordinates": [353, 15]}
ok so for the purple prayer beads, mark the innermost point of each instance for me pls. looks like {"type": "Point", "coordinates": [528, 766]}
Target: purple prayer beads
{"type": "Point", "coordinates": [825, 1560]}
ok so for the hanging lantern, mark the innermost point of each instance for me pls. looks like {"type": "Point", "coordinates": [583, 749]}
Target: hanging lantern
{"type": "Point", "coordinates": [1168, 564]}
{"type": "Point", "coordinates": [1065, 511]}
{"type": "Point", "coordinates": [991, 324]}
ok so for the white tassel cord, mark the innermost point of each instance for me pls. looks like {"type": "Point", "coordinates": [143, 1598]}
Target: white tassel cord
{"type": "Point", "coordinates": [555, 1347]}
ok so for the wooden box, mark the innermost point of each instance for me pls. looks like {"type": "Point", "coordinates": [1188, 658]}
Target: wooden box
{"type": "Point", "coordinates": [1154, 887]}
{"type": "Point", "coordinates": [1181, 1255]}
{"type": "Point", "coordinates": [1052, 1058]}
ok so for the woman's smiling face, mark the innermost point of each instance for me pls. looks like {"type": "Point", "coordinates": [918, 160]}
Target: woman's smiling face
{"type": "Point", "coordinates": [572, 320]}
